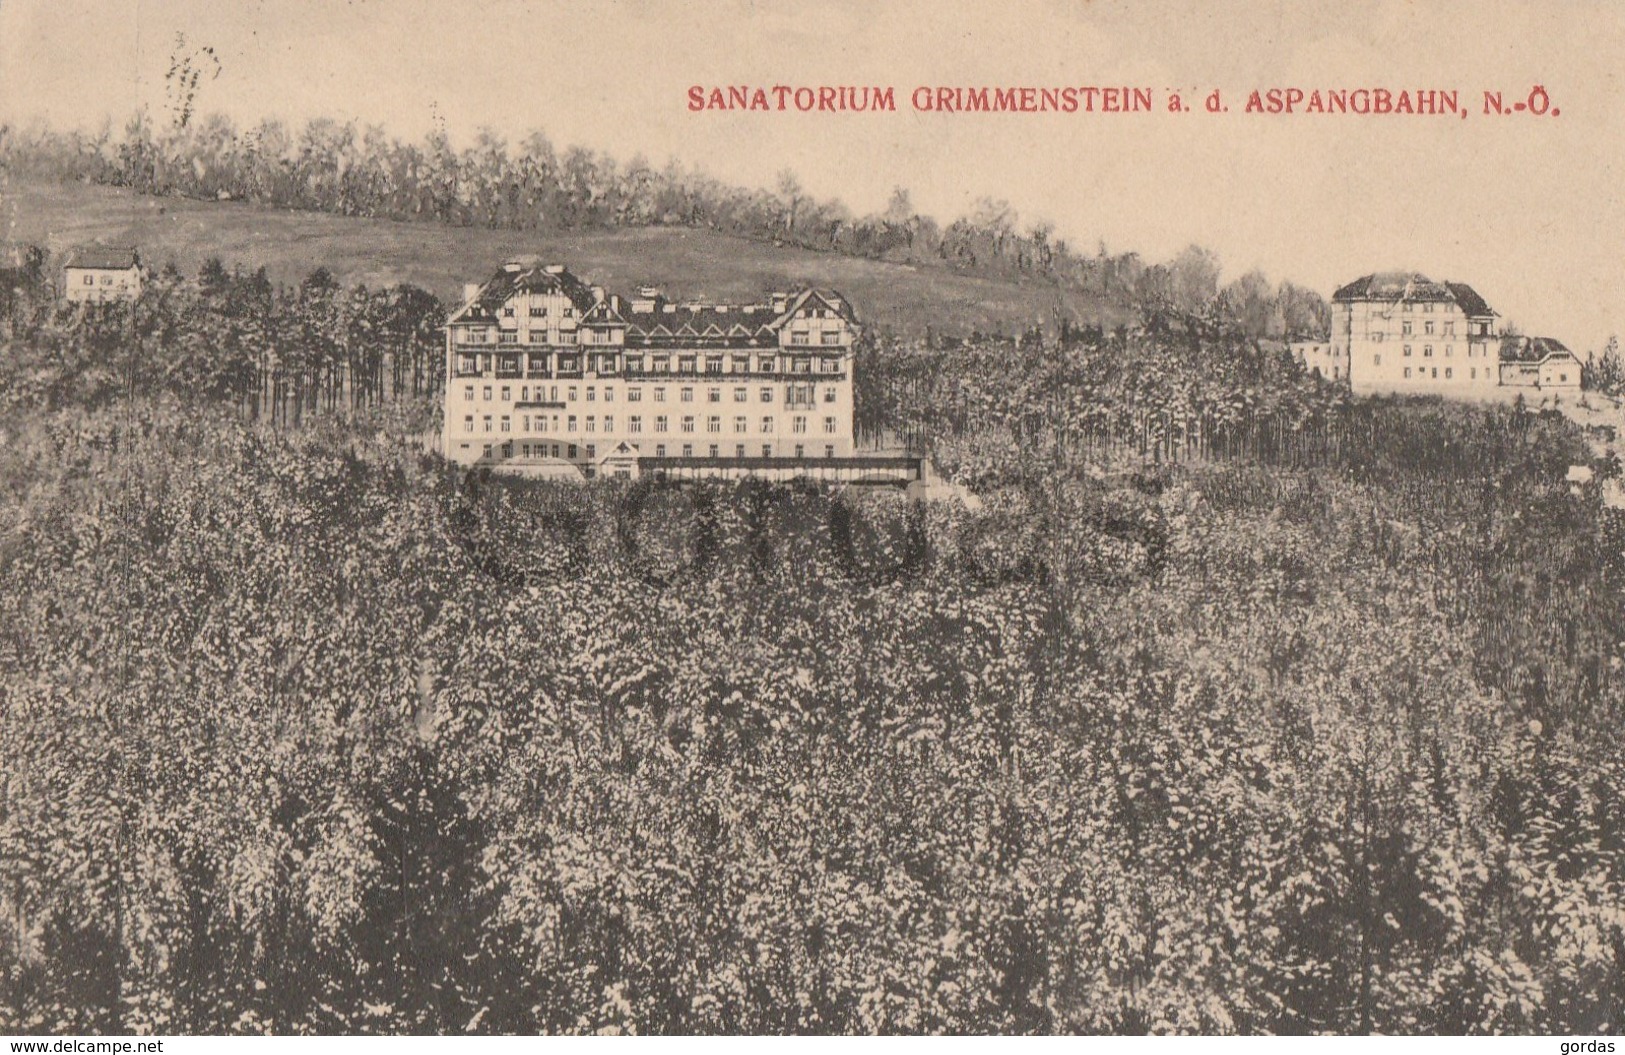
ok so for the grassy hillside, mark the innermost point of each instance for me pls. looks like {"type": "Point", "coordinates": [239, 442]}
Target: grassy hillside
{"type": "Point", "coordinates": [688, 262]}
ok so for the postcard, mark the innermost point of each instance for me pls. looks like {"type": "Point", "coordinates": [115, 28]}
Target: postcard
{"type": "Point", "coordinates": [819, 518]}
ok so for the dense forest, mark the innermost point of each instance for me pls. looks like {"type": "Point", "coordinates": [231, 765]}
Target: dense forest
{"type": "Point", "coordinates": [1241, 705]}
{"type": "Point", "coordinates": [279, 353]}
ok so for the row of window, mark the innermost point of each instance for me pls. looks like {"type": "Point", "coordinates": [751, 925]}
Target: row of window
{"type": "Point", "coordinates": [634, 423]}
{"type": "Point", "coordinates": [795, 395]}
{"type": "Point", "coordinates": [544, 450]}
{"type": "Point", "coordinates": [1407, 328]}
{"type": "Point", "coordinates": [1423, 373]}
{"type": "Point", "coordinates": [512, 337]}
{"type": "Point", "coordinates": [538, 311]}
{"type": "Point", "coordinates": [1427, 351]}
{"type": "Point", "coordinates": [831, 338]}
{"type": "Point", "coordinates": [1378, 338]}
{"type": "Point", "coordinates": [605, 363]}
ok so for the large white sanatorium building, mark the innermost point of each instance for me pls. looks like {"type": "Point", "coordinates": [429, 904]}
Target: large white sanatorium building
{"type": "Point", "coordinates": [1400, 331]}
{"type": "Point", "coordinates": [550, 376]}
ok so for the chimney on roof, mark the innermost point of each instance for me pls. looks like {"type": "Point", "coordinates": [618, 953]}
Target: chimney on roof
{"type": "Point", "coordinates": [598, 294]}
{"type": "Point", "coordinates": [780, 301]}
{"type": "Point", "coordinates": [554, 269]}
{"type": "Point", "coordinates": [470, 291]}
{"type": "Point", "coordinates": [651, 292]}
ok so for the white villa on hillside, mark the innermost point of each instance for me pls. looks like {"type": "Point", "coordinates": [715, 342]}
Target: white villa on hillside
{"type": "Point", "coordinates": [1402, 332]}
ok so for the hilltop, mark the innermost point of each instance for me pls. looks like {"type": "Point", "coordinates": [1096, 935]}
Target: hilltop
{"type": "Point", "coordinates": [689, 262]}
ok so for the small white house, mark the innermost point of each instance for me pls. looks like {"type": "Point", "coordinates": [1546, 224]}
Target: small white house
{"type": "Point", "coordinates": [101, 273]}
{"type": "Point", "coordinates": [1538, 362]}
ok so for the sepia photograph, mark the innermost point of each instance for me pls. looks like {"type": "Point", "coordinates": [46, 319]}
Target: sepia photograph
{"type": "Point", "coordinates": [740, 518]}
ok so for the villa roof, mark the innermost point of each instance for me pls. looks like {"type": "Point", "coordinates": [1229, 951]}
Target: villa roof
{"type": "Point", "coordinates": [1470, 301]}
{"type": "Point", "coordinates": [1414, 286]}
{"type": "Point", "coordinates": [103, 258]}
{"type": "Point", "coordinates": [657, 322]}
{"type": "Point", "coordinates": [1532, 349]}
{"type": "Point", "coordinates": [520, 277]}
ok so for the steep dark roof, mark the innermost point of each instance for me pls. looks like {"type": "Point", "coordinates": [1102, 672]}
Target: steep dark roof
{"type": "Point", "coordinates": [720, 327]}
{"type": "Point", "coordinates": [1532, 349]}
{"type": "Point", "coordinates": [664, 324]}
{"type": "Point", "coordinates": [524, 278]}
{"type": "Point", "coordinates": [606, 311]}
{"type": "Point", "coordinates": [819, 298]}
{"type": "Point", "coordinates": [1414, 286]}
{"type": "Point", "coordinates": [104, 257]}
{"type": "Point", "coordinates": [701, 316]}
{"type": "Point", "coordinates": [1394, 285]}
{"type": "Point", "coordinates": [1470, 301]}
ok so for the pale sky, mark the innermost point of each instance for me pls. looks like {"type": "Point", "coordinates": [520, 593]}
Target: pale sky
{"type": "Point", "coordinates": [1526, 209]}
